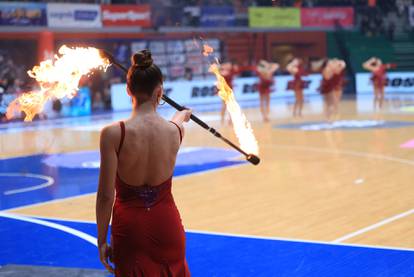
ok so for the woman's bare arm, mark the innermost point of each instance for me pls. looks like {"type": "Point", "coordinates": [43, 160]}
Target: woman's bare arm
{"type": "Point", "coordinates": [106, 187]}
{"type": "Point", "coordinates": [292, 68]}
{"type": "Point", "coordinates": [327, 72]}
{"type": "Point", "coordinates": [339, 66]}
{"type": "Point", "coordinates": [368, 64]}
{"type": "Point", "coordinates": [180, 117]}
{"type": "Point", "coordinates": [274, 67]}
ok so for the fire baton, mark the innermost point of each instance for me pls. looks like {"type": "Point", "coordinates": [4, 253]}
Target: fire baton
{"type": "Point", "coordinates": [249, 157]}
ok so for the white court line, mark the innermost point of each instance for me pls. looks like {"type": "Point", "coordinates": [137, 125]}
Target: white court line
{"type": "Point", "coordinates": [346, 152]}
{"type": "Point", "coordinates": [374, 226]}
{"type": "Point", "coordinates": [298, 240]}
{"type": "Point", "coordinates": [243, 235]}
{"type": "Point", "coordinates": [49, 181]}
{"type": "Point", "coordinates": [53, 225]}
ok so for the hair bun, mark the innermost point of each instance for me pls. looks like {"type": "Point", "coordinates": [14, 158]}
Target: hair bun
{"type": "Point", "coordinates": [142, 59]}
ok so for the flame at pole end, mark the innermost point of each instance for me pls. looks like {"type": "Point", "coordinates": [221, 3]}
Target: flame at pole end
{"type": "Point", "coordinates": [57, 78]}
{"type": "Point", "coordinates": [207, 50]}
{"type": "Point", "coordinates": [241, 125]}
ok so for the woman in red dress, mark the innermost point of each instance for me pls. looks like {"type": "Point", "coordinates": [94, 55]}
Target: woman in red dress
{"type": "Point", "coordinates": [297, 69]}
{"type": "Point", "coordinates": [265, 71]}
{"type": "Point", "coordinates": [328, 84]}
{"type": "Point", "coordinates": [137, 161]}
{"type": "Point", "coordinates": [379, 78]}
{"type": "Point", "coordinates": [338, 67]}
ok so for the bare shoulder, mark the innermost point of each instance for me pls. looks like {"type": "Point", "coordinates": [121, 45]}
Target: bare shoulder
{"type": "Point", "coordinates": [110, 132]}
{"type": "Point", "coordinates": [172, 127]}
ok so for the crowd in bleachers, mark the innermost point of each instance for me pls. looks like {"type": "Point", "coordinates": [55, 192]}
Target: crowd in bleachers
{"type": "Point", "coordinates": [13, 78]}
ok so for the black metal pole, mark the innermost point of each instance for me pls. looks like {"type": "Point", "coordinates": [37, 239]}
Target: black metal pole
{"type": "Point", "coordinates": [249, 157]}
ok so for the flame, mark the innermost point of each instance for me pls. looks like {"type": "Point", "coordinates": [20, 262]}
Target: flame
{"type": "Point", "coordinates": [207, 50]}
{"type": "Point", "coordinates": [57, 78]}
{"type": "Point", "coordinates": [241, 125]}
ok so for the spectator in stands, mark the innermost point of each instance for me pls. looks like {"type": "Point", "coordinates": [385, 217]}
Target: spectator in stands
{"type": "Point", "coordinates": [308, 4]}
{"type": "Point", "coordinates": [97, 88]}
{"type": "Point", "coordinates": [188, 74]}
{"type": "Point", "coordinates": [378, 22]}
{"type": "Point", "coordinates": [390, 31]}
{"type": "Point", "coordinates": [191, 16]}
{"type": "Point", "coordinates": [122, 52]}
{"type": "Point", "coordinates": [364, 24]}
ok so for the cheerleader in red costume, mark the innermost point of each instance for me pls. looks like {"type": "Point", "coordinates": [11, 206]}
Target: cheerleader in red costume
{"type": "Point", "coordinates": [338, 68]}
{"type": "Point", "coordinates": [327, 87]}
{"type": "Point", "coordinates": [379, 78]}
{"type": "Point", "coordinates": [297, 69]}
{"type": "Point", "coordinates": [228, 70]}
{"type": "Point", "coordinates": [265, 71]}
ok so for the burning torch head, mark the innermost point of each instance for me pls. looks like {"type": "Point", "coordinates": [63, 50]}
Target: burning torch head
{"type": "Point", "coordinates": [105, 54]}
{"type": "Point", "coordinates": [253, 159]}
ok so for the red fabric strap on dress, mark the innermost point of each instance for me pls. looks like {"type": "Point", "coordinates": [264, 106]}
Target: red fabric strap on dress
{"type": "Point", "coordinates": [179, 130]}
{"type": "Point", "coordinates": [121, 142]}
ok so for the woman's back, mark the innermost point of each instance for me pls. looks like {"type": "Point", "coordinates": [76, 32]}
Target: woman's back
{"type": "Point", "coordinates": [148, 152]}
{"type": "Point", "coordinates": [137, 161]}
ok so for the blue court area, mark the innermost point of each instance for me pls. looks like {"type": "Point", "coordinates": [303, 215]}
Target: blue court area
{"type": "Point", "coordinates": [207, 254]}
{"type": "Point", "coordinates": [39, 178]}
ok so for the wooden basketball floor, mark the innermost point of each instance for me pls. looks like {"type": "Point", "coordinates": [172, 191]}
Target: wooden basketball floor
{"type": "Point", "coordinates": [350, 182]}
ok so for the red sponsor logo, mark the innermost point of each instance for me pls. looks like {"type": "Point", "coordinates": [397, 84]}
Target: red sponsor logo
{"type": "Point", "coordinates": [126, 15]}
{"type": "Point", "coordinates": [327, 17]}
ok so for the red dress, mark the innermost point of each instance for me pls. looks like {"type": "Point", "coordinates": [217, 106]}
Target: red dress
{"type": "Point", "coordinates": [147, 233]}
{"type": "Point", "coordinates": [297, 83]}
{"type": "Point", "coordinates": [327, 85]}
{"type": "Point", "coordinates": [229, 79]}
{"type": "Point", "coordinates": [338, 80]}
{"type": "Point", "coordinates": [230, 76]}
{"type": "Point", "coordinates": [379, 78]}
{"type": "Point", "coordinates": [265, 84]}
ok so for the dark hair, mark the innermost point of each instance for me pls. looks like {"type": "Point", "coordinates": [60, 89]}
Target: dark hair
{"type": "Point", "coordinates": [324, 64]}
{"type": "Point", "coordinates": [143, 76]}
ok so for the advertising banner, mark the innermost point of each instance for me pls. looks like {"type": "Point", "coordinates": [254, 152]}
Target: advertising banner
{"type": "Point", "coordinates": [397, 82]}
{"type": "Point", "coordinates": [399, 92]}
{"type": "Point", "coordinates": [126, 15]}
{"type": "Point", "coordinates": [274, 17]}
{"type": "Point", "coordinates": [327, 17]}
{"type": "Point", "coordinates": [204, 92]}
{"type": "Point", "coordinates": [73, 15]}
{"type": "Point", "coordinates": [22, 14]}
{"type": "Point", "coordinates": [217, 16]}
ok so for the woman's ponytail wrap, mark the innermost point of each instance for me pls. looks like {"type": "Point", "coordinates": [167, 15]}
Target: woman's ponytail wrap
{"type": "Point", "coordinates": [142, 60]}
{"type": "Point", "coordinates": [143, 76]}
